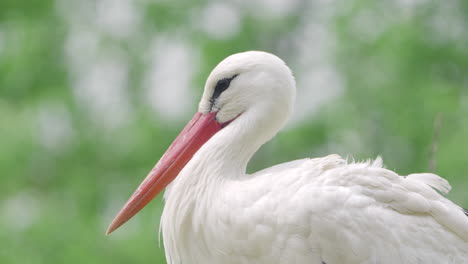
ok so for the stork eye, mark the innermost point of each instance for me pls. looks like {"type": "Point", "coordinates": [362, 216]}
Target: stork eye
{"type": "Point", "coordinates": [220, 87]}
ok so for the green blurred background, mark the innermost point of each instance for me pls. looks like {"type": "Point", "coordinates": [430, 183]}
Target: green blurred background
{"type": "Point", "coordinates": [93, 92]}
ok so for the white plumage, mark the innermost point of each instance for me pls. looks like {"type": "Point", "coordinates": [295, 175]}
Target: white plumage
{"type": "Point", "coordinates": [322, 210]}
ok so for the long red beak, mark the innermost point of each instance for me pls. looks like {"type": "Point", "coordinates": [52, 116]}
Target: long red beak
{"type": "Point", "coordinates": [199, 130]}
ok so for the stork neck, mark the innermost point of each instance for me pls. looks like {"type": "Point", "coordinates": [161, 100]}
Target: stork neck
{"type": "Point", "coordinates": [228, 152]}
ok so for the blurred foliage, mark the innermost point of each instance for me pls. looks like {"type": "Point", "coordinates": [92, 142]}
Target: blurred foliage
{"type": "Point", "coordinates": [66, 171]}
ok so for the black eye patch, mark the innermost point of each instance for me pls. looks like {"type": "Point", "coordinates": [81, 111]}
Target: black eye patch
{"type": "Point", "coordinates": [220, 87]}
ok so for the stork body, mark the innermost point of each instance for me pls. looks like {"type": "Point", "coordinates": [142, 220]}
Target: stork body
{"type": "Point", "coordinates": [313, 211]}
{"type": "Point", "coordinates": [308, 211]}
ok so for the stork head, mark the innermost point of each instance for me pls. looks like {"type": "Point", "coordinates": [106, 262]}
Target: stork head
{"type": "Point", "coordinates": [254, 88]}
{"type": "Point", "coordinates": [248, 80]}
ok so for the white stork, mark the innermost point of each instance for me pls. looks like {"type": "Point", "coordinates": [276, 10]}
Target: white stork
{"type": "Point", "coordinates": [308, 211]}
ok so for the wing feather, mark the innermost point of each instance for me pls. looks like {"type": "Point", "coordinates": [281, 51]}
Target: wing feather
{"type": "Point", "coordinates": [363, 208]}
{"type": "Point", "coordinates": [415, 194]}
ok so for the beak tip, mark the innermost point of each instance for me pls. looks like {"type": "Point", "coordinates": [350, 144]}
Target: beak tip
{"type": "Point", "coordinates": [109, 230]}
{"type": "Point", "coordinates": [112, 227]}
